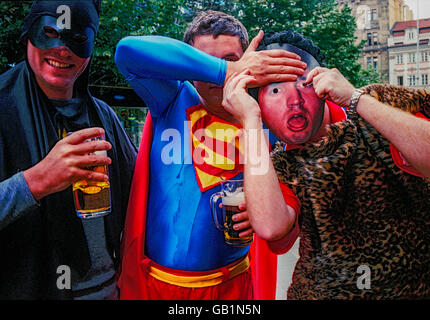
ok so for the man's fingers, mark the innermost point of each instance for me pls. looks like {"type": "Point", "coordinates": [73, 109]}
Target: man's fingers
{"type": "Point", "coordinates": [92, 146]}
{"type": "Point", "coordinates": [234, 77]}
{"type": "Point", "coordinates": [242, 225]}
{"type": "Point", "coordinates": [253, 45]}
{"type": "Point", "coordinates": [283, 61]}
{"type": "Point", "coordinates": [321, 84]}
{"type": "Point", "coordinates": [240, 216]}
{"type": "Point", "coordinates": [240, 80]}
{"type": "Point", "coordinates": [82, 174]}
{"type": "Point", "coordinates": [283, 69]}
{"type": "Point", "coordinates": [316, 80]}
{"type": "Point", "coordinates": [310, 76]}
{"type": "Point", "coordinates": [280, 53]}
{"type": "Point", "coordinates": [84, 134]}
{"type": "Point", "coordinates": [320, 90]}
{"type": "Point", "coordinates": [247, 232]}
{"type": "Point", "coordinates": [267, 79]}
{"type": "Point", "coordinates": [315, 72]}
{"type": "Point", "coordinates": [244, 81]}
{"type": "Point", "coordinates": [92, 160]}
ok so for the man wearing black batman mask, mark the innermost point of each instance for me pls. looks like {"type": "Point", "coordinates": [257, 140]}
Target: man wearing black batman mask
{"type": "Point", "coordinates": [48, 252]}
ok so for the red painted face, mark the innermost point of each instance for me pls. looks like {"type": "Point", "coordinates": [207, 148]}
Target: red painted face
{"type": "Point", "coordinates": [291, 110]}
{"type": "Point", "coordinates": [56, 69]}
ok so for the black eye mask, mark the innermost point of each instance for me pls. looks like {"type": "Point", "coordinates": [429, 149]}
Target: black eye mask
{"type": "Point", "coordinates": [45, 34]}
{"type": "Point", "coordinates": [41, 26]}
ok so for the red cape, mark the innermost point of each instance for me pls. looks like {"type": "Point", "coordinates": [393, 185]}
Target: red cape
{"type": "Point", "coordinates": [131, 283]}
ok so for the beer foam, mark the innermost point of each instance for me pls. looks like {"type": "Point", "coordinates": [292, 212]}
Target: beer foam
{"type": "Point", "coordinates": [233, 199]}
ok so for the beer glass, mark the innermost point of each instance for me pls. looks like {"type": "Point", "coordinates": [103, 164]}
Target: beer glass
{"type": "Point", "coordinates": [232, 197]}
{"type": "Point", "coordinates": [92, 198]}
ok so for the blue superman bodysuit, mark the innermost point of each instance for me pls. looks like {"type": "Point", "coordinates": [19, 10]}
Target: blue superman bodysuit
{"type": "Point", "coordinates": [180, 233]}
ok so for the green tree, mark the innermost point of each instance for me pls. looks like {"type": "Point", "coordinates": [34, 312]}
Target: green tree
{"type": "Point", "coordinates": [12, 14]}
{"type": "Point", "coordinates": [333, 32]}
{"type": "Point", "coordinates": [330, 27]}
{"type": "Point", "coordinates": [194, 6]}
{"type": "Point", "coordinates": [120, 18]}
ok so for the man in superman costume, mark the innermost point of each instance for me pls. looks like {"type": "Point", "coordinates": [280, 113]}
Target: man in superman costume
{"type": "Point", "coordinates": [171, 248]}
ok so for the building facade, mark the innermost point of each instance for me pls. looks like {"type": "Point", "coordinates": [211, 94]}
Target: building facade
{"type": "Point", "coordinates": [409, 54]}
{"type": "Point", "coordinates": [375, 19]}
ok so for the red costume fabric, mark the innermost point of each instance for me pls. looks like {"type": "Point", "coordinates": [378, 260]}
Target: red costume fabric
{"type": "Point", "coordinates": [400, 161]}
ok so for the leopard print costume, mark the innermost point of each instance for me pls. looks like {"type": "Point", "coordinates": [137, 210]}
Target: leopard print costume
{"type": "Point", "coordinates": [359, 208]}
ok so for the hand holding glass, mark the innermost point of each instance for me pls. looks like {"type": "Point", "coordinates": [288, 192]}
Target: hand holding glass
{"type": "Point", "coordinates": [232, 196]}
{"type": "Point", "coordinates": [92, 198]}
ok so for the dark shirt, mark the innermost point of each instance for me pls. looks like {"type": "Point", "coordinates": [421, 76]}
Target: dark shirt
{"type": "Point", "coordinates": [38, 237]}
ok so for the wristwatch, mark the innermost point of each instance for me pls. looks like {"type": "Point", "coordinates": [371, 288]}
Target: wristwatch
{"type": "Point", "coordinates": [354, 99]}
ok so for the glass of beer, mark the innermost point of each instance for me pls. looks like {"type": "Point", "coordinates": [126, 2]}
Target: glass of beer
{"type": "Point", "coordinates": [232, 197]}
{"type": "Point", "coordinates": [92, 198]}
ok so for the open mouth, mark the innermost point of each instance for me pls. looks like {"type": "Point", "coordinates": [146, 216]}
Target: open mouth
{"type": "Point", "coordinates": [297, 122]}
{"type": "Point", "coordinates": [58, 65]}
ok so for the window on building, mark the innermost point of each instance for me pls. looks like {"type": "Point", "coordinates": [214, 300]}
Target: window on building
{"type": "Point", "coordinates": [373, 15]}
{"type": "Point", "coordinates": [375, 38]}
{"type": "Point", "coordinates": [399, 59]}
{"type": "Point", "coordinates": [424, 56]}
{"type": "Point", "coordinates": [424, 79]}
{"type": "Point", "coordinates": [375, 63]}
{"type": "Point", "coordinates": [369, 39]}
{"type": "Point", "coordinates": [369, 62]}
{"type": "Point", "coordinates": [411, 58]}
{"type": "Point", "coordinates": [400, 80]}
{"type": "Point", "coordinates": [412, 80]}
{"type": "Point", "coordinates": [411, 35]}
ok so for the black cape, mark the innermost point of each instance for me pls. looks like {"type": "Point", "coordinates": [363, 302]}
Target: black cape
{"type": "Point", "coordinates": [36, 244]}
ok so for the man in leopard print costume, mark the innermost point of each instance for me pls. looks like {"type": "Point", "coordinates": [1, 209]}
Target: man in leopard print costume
{"type": "Point", "coordinates": [364, 222]}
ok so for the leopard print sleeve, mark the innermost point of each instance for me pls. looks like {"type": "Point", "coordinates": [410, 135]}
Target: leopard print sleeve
{"type": "Point", "coordinates": [408, 99]}
{"type": "Point", "coordinates": [278, 158]}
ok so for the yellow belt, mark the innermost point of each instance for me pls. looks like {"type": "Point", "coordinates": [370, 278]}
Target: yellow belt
{"type": "Point", "coordinates": [206, 280]}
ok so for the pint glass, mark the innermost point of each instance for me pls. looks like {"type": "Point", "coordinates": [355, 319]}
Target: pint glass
{"type": "Point", "coordinates": [232, 197]}
{"type": "Point", "coordinates": [92, 198]}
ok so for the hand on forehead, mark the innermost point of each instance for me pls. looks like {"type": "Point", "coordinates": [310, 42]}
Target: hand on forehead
{"type": "Point", "coordinates": [292, 110]}
{"type": "Point", "coordinates": [306, 57]}
{"type": "Point", "coordinates": [300, 84]}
